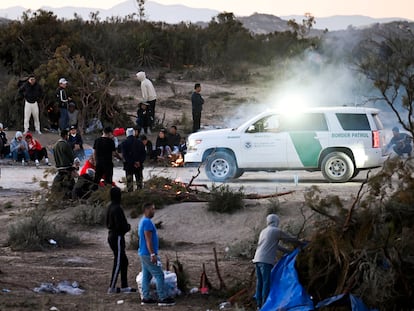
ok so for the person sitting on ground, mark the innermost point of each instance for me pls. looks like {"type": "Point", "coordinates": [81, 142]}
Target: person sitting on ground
{"type": "Point", "coordinates": [182, 148]}
{"type": "Point", "coordinates": [73, 115]}
{"type": "Point", "coordinates": [400, 142]}
{"type": "Point", "coordinates": [174, 139]}
{"type": "Point", "coordinates": [36, 151]}
{"type": "Point", "coordinates": [76, 142]}
{"type": "Point", "coordinates": [85, 185]}
{"type": "Point", "coordinates": [4, 146]}
{"type": "Point", "coordinates": [143, 117]}
{"type": "Point", "coordinates": [161, 145]}
{"type": "Point", "coordinates": [89, 163]}
{"type": "Point", "coordinates": [19, 148]}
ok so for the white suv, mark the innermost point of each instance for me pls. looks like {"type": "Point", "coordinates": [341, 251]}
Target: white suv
{"type": "Point", "coordinates": [339, 141]}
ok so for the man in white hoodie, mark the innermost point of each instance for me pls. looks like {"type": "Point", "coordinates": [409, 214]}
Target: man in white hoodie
{"type": "Point", "coordinates": [148, 94]}
{"type": "Point", "coordinates": [265, 256]}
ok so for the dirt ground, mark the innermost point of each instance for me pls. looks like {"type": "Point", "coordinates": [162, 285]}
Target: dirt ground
{"type": "Point", "coordinates": [190, 231]}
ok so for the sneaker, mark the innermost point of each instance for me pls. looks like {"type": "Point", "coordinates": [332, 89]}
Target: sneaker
{"type": "Point", "coordinates": [128, 290]}
{"type": "Point", "coordinates": [39, 132]}
{"type": "Point", "coordinates": [148, 301]}
{"type": "Point", "coordinates": [37, 163]}
{"type": "Point", "coordinates": [166, 302]}
{"type": "Point", "coordinates": [47, 162]}
{"type": "Point", "coordinates": [114, 290]}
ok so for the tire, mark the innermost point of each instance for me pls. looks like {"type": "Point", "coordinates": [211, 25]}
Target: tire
{"type": "Point", "coordinates": [337, 167]}
{"type": "Point", "coordinates": [239, 173]}
{"type": "Point", "coordinates": [221, 166]}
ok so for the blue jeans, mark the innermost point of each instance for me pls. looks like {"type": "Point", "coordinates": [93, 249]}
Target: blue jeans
{"type": "Point", "coordinates": [150, 270]}
{"type": "Point", "coordinates": [17, 156]}
{"type": "Point", "coordinates": [63, 119]}
{"type": "Point", "coordinates": [263, 272]}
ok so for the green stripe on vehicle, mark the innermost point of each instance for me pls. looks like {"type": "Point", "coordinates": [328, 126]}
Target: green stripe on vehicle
{"type": "Point", "coordinates": [307, 147]}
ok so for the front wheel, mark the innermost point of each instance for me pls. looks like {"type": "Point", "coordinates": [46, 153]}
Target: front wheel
{"type": "Point", "coordinates": [337, 167]}
{"type": "Point", "coordinates": [221, 166]}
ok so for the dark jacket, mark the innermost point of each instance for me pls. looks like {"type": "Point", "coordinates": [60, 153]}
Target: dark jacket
{"type": "Point", "coordinates": [173, 140]}
{"type": "Point", "coordinates": [133, 150]}
{"type": "Point", "coordinates": [115, 219]}
{"type": "Point", "coordinates": [197, 102]}
{"type": "Point", "coordinates": [63, 154]}
{"type": "Point", "coordinates": [77, 139]}
{"type": "Point", "coordinates": [31, 93]}
{"type": "Point", "coordinates": [62, 98]}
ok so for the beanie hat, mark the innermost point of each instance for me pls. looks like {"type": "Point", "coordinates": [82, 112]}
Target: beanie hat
{"type": "Point", "coordinates": [18, 134]}
{"type": "Point", "coordinates": [273, 220]}
{"type": "Point", "coordinates": [129, 131]}
{"type": "Point", "coordinates": [395, 129]}
{"type": "Point", "coordinates": [1, 125]}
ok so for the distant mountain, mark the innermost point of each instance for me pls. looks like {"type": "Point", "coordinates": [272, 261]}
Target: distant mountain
{"type": "Point", "coordinates": [340, 22]}
{"type": "Point", "coordinates": [257, 23]}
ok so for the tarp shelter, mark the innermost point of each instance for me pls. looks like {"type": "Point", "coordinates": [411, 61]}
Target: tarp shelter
{"type": "Point", "coordinates": [287, 294]}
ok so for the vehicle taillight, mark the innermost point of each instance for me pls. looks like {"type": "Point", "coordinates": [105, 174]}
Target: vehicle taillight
{"type": "Point", "coordinates": [375, 139]}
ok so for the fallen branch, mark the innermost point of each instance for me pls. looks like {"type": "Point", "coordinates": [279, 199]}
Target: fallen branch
{"type": "Point", "coordinates": [266, 196]}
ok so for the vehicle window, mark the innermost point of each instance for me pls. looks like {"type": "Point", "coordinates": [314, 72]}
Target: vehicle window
{"type": "Point", "coordinates": [267, 124]}
{"type": "Point", "coordinates": [305, 122]}
{"type": "Point", "coordinates": [353, 121]}
{"type": "Point", "coordinates": [378, 122]}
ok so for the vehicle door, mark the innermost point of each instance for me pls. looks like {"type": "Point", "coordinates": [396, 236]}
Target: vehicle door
{"type": "Point", "coordinates": [263, 145]}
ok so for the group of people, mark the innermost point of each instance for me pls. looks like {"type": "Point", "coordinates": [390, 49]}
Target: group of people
{"type": "Point", "coordinates": [169, 143]}
{"type": "Point", "coordinates": [23, 147]}
{"type": "Point", "coordinates": [62, 114]}
{"type": "Point", "coordinates": [148, 251]}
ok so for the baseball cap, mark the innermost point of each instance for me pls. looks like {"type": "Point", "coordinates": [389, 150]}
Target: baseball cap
{"type": "Point", "coordinates": [73, 127]}
{"type": "Point", "coordinates": [63, 81]}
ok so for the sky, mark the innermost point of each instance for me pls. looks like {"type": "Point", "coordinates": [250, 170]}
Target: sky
{"type": "Point", "coordinates": [318, 8]}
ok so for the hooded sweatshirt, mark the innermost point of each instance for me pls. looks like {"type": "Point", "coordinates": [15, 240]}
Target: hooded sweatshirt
{"type": "Point", "coordinates": [269, 239]}
{"type": "Point", "coordinates": [147, 89]}
{"type": "Point", "coordinates": [15, 143]}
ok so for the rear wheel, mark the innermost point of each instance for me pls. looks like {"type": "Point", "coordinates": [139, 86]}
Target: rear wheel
{"type": "Point", "coordinates": [337, 167]}
{"type": "Point", "coordinates": [221, 166]}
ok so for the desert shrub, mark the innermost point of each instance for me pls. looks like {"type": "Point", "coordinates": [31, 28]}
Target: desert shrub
{"type": "Point", "coordinates": [34, 232]}
{"type": "Point", "coordinates": [225, 200]}
{"type": "Point", "coordinates": [90, 215]}
{"type": "Point", "coordinates": [245, 248]}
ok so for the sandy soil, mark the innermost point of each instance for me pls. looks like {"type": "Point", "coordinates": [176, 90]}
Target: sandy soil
{"type": "Point", "coordinates": [190, 231]}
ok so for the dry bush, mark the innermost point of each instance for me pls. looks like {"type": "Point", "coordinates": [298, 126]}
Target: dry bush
{"type": "Point", "coordinates": [364, 248]}
{"type": "Point", "coordinates": [225, 200]}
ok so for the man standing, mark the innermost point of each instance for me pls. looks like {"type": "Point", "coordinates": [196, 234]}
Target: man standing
{"type": "Point", "coordinates": [62, 152]}
{"type": "Point", "coordinates": [148, 94]}
{"type": "Point", "coordinates": [197, 103]}
{"type": "Point", "coordinates": [265, 256]}
{"type": "Point", "coordinates": [32, 92]}
{"type": "Point", "coordinates": [62, 102]}
{"type": "Point", "coordinates": [150, 262]}
{"type": "Point", "coordinates": [117, 228]}
{"type": "Point", "coordinates": [103, 151]}
{"type": "Point", "coordinates": [133, 153]}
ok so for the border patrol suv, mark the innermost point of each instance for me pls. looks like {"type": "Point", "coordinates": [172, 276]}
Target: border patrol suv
{"type": "Point", "coordinates": [339, 141]}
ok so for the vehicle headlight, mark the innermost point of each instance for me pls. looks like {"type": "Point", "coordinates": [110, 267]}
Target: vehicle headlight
{"type": "Point", "coordinates": [192, 144]}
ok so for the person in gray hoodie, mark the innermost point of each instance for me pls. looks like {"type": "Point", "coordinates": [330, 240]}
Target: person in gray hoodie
{"type": "Point", "coordinates": [19, 148]}
{"type": "Point", "coordinates": [265, 256]}
{"type": "Point", "coordinates": [149, 95]}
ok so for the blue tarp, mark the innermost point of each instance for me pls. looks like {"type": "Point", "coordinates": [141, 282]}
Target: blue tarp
{"type": "Point", "coordinates": [286, 292]}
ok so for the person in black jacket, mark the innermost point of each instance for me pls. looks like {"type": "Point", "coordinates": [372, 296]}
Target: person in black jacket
{"type": "Point", "coordinates": [32, 92]}
{"type": "Point", "coordinates": [197, 103]}
{"type": "Point", "coordinates": [134, 154]}
{"type": "Point", "coordinates": [118, 226]}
